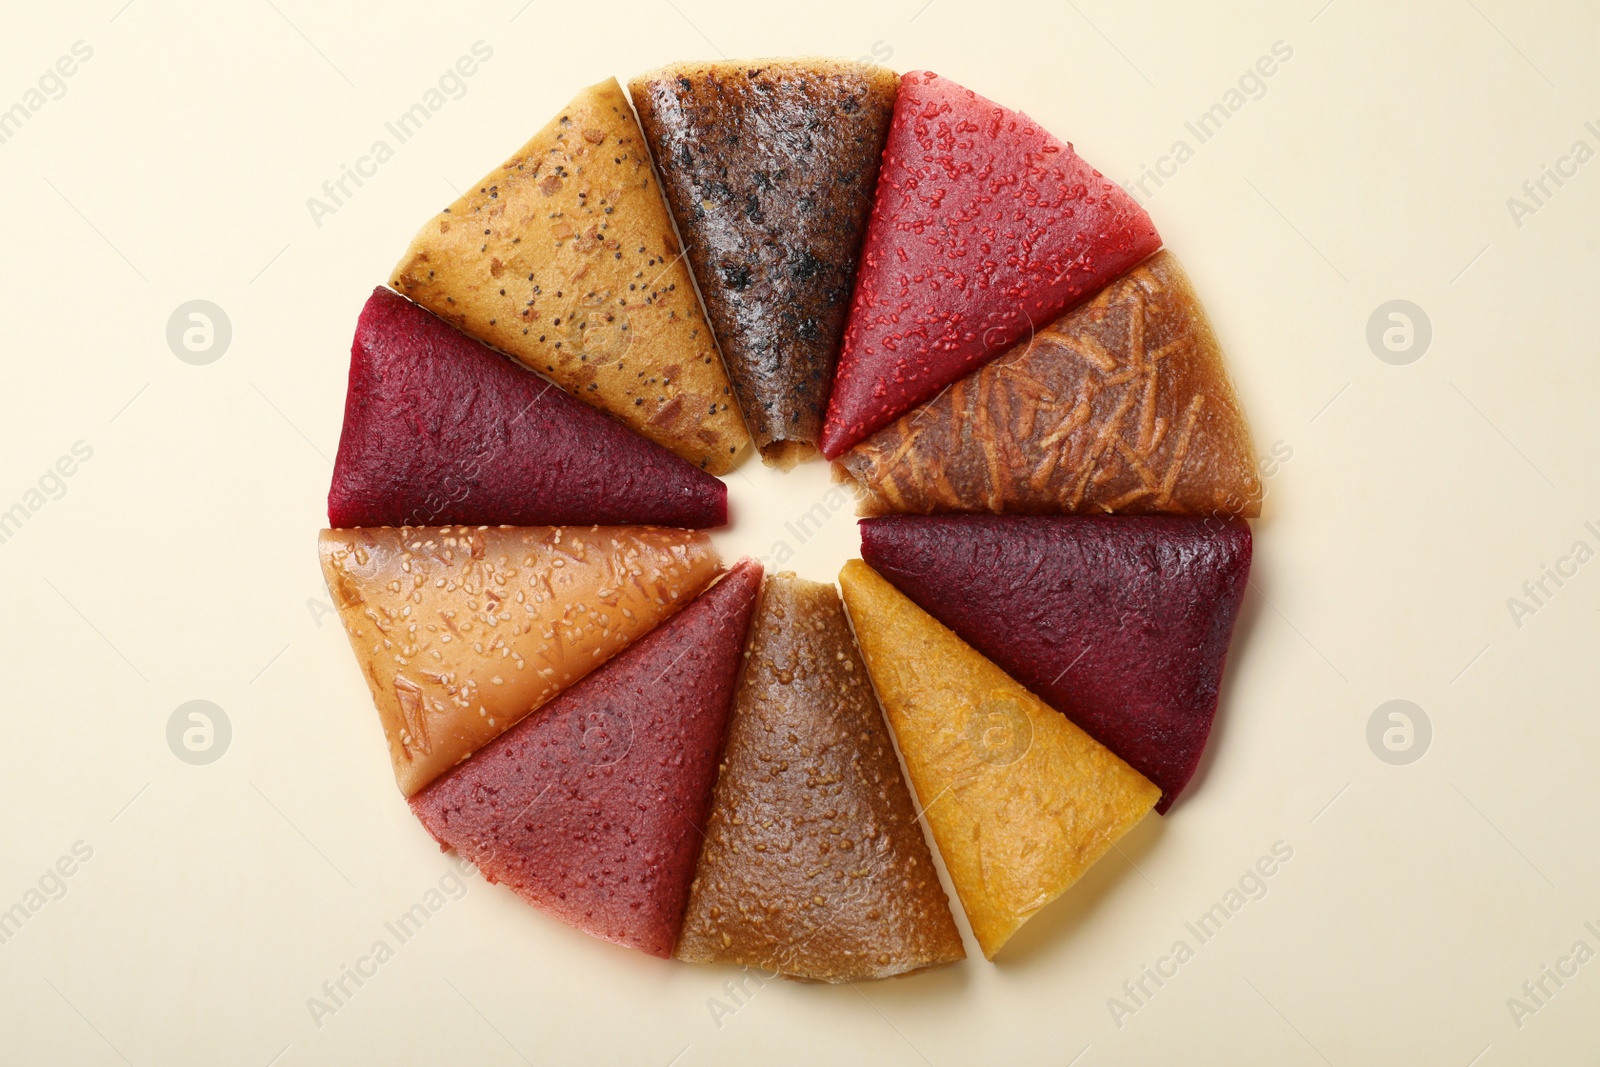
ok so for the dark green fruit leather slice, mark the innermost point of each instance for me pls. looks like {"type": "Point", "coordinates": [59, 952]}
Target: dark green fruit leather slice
{"type": "Point", "coordinates": [769, 168]}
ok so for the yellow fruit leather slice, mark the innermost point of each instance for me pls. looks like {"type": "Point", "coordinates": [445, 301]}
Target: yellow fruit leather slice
{"type": "Point", "coordinates": [1020, 801]}
{"type": "Point", "coordinates": [462, 631]}
{"type": "Point", "coordinates": [565, 258]}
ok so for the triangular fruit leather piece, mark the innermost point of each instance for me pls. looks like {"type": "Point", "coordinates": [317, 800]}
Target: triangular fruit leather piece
{"type": "Point", "coordinates": [769, 168]}
{"type": "Point", "coordinates": [985, 227]}
{"type": "Point", "coordinates": [592, 809]}
{"type": "Point", "coordinates": [1021, 802]}
{"type": "Point", "coordinates": [1122, 405]}
{"type": "Point", "coordinates": [461, 631]}
{"type": "Point", "coordinates": [814, 864]}
{"type": "Point", "coordinates": [565, 257]}
{"type": "Point", "coordinates": [1121, 623]}
{"type": "Point", "coordinates": [439, 430]}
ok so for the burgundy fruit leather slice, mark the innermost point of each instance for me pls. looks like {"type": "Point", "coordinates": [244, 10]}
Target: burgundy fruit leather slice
{"type": "Point", "coordinates": [1122, 623]}
{"type": "Point", "coordinates": [593, 808]}
{"type": "Point", "coordinates": [439, 429]}
{"type": "Point", "coordinates": [984, 228]}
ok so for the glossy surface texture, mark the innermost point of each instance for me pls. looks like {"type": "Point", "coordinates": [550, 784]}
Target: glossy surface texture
{"type": "Point", "coordinates": [565, 257]}
{"type": "Point", "coordinates": [1122, 405]}
{"type": "Point", "coordinates": [814, 866]}
{"type": "Point", "coordinates": [769, 168]}
{"type": "Point", "coordinates": [461, 631]}
{"type": "Point", "coordinates": [1121, 623]}
{"type": "Point", "coordinates": [440, 430]}
{"type": "Point", "coordinates": [1020, 801]}
{"type": "Point", "coordinates": [592, 809]}
{"type": "Point", "coordinates": [984, 227]}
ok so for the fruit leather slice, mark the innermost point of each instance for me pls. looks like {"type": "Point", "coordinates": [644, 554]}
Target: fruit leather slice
{"type": "Point", "coordinates": [985, 227]}
{"type": "Point", "coordinates": [1122, 405]}
{"type": "Point", "coordinates": [814, 865]}
{"type": "Point", "coordinates": [769, 168]}
{"type": "Point", "coordinates": [564, 257]}
{"type": "Point", "coordinates": [1021, 802]}
{"type": "Point", "coordinates": [439, 429]}
{"type": "Point", "coordinates": [461, 631]}
{"type": "Point", "coordinates": [592, 809]}
{"type": "Point", "coordinates": [1121, 623]}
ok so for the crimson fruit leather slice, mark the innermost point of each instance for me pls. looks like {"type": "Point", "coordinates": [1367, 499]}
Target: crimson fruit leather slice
{"type": "Point", "coordinates": [1121, 623]}
{"type": "Point", "coordinates": [592, 810]}
{"type": "Point", "coordinates": [984, 228]}
{"type": "Point", "coordinates": [439, 429]}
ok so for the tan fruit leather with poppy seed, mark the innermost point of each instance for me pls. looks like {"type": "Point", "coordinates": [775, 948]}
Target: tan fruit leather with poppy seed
{"type": "Point", "coordinates": [1123, 405]}
{"type": "Point", "coordinates": [814, 865]}
{"type": "Point", "coordinates": [1020, 801]}
{"type": "Point", "coordinates": [462, 631]}
{"type": "Point", "coordinates": [565, 258]}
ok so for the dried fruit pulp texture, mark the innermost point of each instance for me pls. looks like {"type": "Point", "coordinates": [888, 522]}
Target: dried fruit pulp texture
{"type": "Point", "coordinates": [1122, 405]}
{"type": "Point", "coordinates": [984, 227]}
{"type": "Point", "coordinates": [565, 258]}
{"type": "Point", "coordinates": [769, 168]}
{"type": "Point", "coordinates": [1123, 624]}
{"type": "Point", "coordinates": [592, 809]}
{"type": "Point", "coordinates": [462, 631]}
{"type": "Point", "coordinates": [1020, 801]}
{"type": "Point", "coordinates": [814, 865]}
{"type": "Point", "coordinates": [439, 429]}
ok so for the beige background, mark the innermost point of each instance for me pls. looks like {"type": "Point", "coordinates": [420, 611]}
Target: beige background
{"type": "Point", "coordinates": [178, 564]}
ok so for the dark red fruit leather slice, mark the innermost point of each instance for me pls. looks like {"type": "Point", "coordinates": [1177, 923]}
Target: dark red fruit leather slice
{"type": "Point", "coordinates": [441, 430]}
{"type": "Point", "coordinates": [1122, 623]}
{"type": "Point", "coordinates": [593, 808]}
{"type": "Point", "coordinates": [984, 227]}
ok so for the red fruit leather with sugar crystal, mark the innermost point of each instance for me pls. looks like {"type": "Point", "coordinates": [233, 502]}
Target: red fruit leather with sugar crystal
{"type": "Point", "coordinates": [1121, 623]}
{"type": "Point", "coordinates": [441, 430]}
{"type": "Point", "coordinates": [592, 809]}
{"type": "Point", "coordinates": [984, 227]}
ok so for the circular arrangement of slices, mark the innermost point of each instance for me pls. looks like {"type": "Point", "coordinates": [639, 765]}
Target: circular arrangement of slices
{"type": "Point", "coordinates": [986, 338]}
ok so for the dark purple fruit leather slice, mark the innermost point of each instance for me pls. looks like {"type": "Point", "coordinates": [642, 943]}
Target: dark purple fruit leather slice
{"type": "Point", "coordinates": [441, 430]}
{"type": "Point", "coordinates": [1120, 622]}
{"type": "Point", "coordinates": [593, 808]}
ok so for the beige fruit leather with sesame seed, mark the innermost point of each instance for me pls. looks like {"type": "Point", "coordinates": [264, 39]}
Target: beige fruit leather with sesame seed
{"type": "Point", "coordinates": [462, 631]}
{"type": "Point", "coordinates": [565, 257]}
